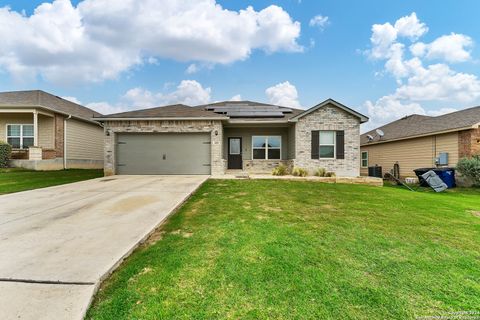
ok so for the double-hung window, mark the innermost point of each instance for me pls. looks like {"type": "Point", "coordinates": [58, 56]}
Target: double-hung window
{"type": "Point", "coordinates": [327, 144]}
{"type": "Point", "coordinates": [364, 159]}
{"type": "Point", "coordinates": [266, 147]}
{"type": "Point", "coordinates": [20, 136]}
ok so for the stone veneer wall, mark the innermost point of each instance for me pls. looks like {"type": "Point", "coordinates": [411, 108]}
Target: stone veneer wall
{"type": "Point", "coordinates": [265, 166]}
{"type": "Point", "coordinates": [155, 126]}
{"type": "Point", "coordinates": [328, 118]}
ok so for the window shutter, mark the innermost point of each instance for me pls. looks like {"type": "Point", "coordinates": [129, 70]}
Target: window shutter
{"type": "Point", "coordinates": [340, 144]}
{"type": "Point", "coordinates": [315, 145]}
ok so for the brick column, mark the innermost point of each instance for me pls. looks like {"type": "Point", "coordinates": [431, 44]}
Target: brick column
{"type": "Point", "coordinates": [59, 135]}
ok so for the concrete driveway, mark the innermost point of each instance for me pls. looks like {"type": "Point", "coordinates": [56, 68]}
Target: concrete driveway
{"type": "Point", "coordinates": [58, 243]}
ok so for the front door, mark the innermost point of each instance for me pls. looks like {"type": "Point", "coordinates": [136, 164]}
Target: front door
{"type": "Point", "coordinates": [235, 153]}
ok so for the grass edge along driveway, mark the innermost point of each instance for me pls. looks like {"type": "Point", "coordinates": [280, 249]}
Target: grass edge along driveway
{"type": "Point", "coordinates": [256, 249]}
{"type": "Point", "coordinates": [15, 180]}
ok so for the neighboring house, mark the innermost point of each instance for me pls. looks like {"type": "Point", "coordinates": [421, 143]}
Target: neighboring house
{"type": "Point", "coordinates": [420, 141]}
{"type": "Point", "coordinates": [49, 133]}
{"type": "Point", "coordinates": [233, 135]}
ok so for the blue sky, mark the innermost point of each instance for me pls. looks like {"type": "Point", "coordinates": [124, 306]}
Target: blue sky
{"type": "Point", "coordinates": [105, 64]}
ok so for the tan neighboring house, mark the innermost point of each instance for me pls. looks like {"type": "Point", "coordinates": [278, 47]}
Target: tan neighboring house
{"type": "Point", "coordinates": [49, 133]}
{"type": "Point", "coordinates": [418, 141]}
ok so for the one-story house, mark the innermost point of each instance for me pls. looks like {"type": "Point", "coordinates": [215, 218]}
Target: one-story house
{"type": "Point", "coordinates": [47, 132]}
{"type": "Point", "coordinates": [419, 141]}
{"type": "Point", "coordinates": [233, 136]}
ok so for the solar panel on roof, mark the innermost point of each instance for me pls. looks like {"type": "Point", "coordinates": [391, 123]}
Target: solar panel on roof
{"type": "Point", "coordinates": [259, 114]}
{"type": "Point", "coordinates": [239, 110]}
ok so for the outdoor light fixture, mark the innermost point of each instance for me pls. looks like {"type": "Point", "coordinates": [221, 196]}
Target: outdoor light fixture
{"type": "Point", "coordinates": [216, 132]}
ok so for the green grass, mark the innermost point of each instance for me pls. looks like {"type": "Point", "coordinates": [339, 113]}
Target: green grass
{"type": "Point", "coordinates": [15, 180]}
{"type": "Point", "coordinates": [252, 249]}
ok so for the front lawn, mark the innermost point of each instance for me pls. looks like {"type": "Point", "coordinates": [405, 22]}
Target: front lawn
{"type": "Point", "coordinates": [14, 180]}
{"type": "Point", "coordinates": [257, 249]}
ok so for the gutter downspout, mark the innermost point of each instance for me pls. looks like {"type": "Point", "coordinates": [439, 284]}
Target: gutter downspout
{"type": "Point", "coordinates": [65, 141]}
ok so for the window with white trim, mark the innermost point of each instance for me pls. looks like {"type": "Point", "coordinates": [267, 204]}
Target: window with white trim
{"type": "Point", "coordinates": [20, 136]}
{"type": "Point", "coordinates": [266, 147]}
{"type": "Point", "coordinates": [364, 159]}
{"type": "Point", "coordinates": [327, 144]}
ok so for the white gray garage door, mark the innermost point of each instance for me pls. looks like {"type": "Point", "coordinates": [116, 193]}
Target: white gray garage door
{"type": "Point", "coordinates": [163, 153]}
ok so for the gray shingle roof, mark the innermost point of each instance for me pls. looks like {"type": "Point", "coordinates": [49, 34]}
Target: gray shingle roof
{"type": "Point", "coordinates": [418, 125]}
{"type": "Point", "coordinates": [47, 100]}
{"type": "Point", "coordinates": [184, 111]}
{"type": "Point", "coordinates": [171, 111]}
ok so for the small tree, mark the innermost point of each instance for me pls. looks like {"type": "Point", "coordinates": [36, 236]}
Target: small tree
{"type": "Point", "coordinates": [470, 168]}
{"type": "Point", "coordinates": [5, 153]}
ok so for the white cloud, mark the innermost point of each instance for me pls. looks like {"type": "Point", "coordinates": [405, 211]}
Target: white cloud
{"type": "Point", "coordinates": [416, 81]}
{"type": "Point", "coordinates": [440, 83]}
{"type": "Point", "coordinates": [197, 67]}
{"type": "Point", "coordinates": [99, 39]}
{"type": "Point", "coordinates": [389, 108]}
{"type": "Point", "coordinates": [319, 21]}
{"type": "Point", "coordinates": [383, 35]}
{"type": "Point", "coordinates": [192, 69]}
{"type": "Point", "coordinates": [188, 92]}
{"type": "Point", "coordinates": [451, 48]}
{"type": "Point", "coordinates": [107, 108]}
{"type": "Point", "coordinates": [236, 97]}
{"type": "Point", "coordinates": [411, 27]}
{"type": "Point", "coordinates": [418, 49]}
{"type": "Point", "coordinates": [72, 99]}
{"type": "Point", "coordinates": [283, 94]}
{"type": "Point", "coordinates": [441, 111]}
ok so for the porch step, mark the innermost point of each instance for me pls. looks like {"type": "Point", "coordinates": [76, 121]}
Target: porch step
{"type": "Point", "coordinates": [240, 174]}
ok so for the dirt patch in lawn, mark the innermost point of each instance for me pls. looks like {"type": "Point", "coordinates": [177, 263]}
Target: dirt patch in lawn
{"type": "Point", "coordinates": [156, 236]}
{"type": "Point", "coordinates": [270, 209]}
{"type": "Point", "coordinates": [475, 213]}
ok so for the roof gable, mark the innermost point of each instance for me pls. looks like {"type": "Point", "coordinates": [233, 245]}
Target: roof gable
{"type": "Point", "coordinates": [46, 100]}
{"type": "Point", "coordinates": [334, 103]}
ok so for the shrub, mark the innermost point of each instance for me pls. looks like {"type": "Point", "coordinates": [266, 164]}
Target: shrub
{"type": "Point", "coordinates": [5, 152]}
{"type": "Point", "coordinates": [281, 170]}
{"type": "Point", "coordinates": [330, 174]}
{"type": "Point", "coordinates": [299, 172]}
{"type": "Point", "coordinates": [470, 168]}
{"type": "Point", "coordinates": [320, 172]}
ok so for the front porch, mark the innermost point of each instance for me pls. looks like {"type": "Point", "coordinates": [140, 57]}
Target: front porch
{"type": "Point", "coordinates": [258, 149]}
{"type": "Point", "coordinates": [32, 133]}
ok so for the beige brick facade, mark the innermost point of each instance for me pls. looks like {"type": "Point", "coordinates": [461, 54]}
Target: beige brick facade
{"type": "Point", "coordinates": [59, 135]}
{"type": "Point", "coordinates": [328, 118]}
{"type": "Point", "coordinates": [141, 126]}
{"type": "Point", "coordinates": [469, 142]}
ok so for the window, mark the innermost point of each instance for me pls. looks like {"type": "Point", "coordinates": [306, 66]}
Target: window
{"type": "Point", "coordinates": [235, 146]}
{"type": "Point", "coordinates": [266, 147]}
{"type": "Point", "coordinates": [20, 136]}
{"type": "Point", "coordinates": [364, 159]}
{"type": "Point", "coordinates": [327, 144]}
